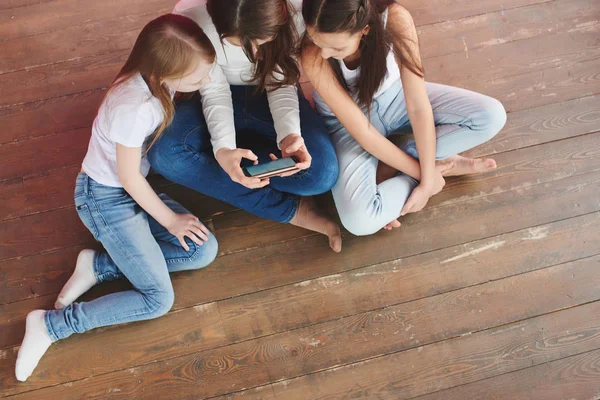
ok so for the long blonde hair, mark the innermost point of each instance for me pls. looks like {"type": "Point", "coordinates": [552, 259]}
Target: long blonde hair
{"type": "Point", "coordinates": [167, 47]}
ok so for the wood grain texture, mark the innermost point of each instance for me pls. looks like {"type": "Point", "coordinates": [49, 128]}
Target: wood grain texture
{"type": "Point", "coordinates": [359, 337]}
{"type": "Point", "coordinates": [487, 212]}
{"type": "Point", "coordinates": [40, 18]}
{"type": "Point", "coordinates": [49, 116]}
{"type": "Point", "coordinates": [544, 124]}
{"type": "Point", "coordinates": [492, 29]}
{"type": "Point", "coordinates": [449, 363]}
{"type": "Point", "coordinates": [72, 43]}
{"type": "Point", "coordinates": [8, 4]}
{"type": "Point", "coordinates": [397, 314]}
{"type": "Point", "coordinates": [58, 80]}
{"type": "Point", "coordinates": [576, 377]}
{"type": "Point", "coordinates": [435, 11]}
{"type": "Point", "coordinates": [66, 149]}
{"type": "Point", "coordinates": [517, 170]}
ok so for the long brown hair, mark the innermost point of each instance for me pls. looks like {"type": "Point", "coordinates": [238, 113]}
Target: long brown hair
{"type": "Point", "coordinates": [253, 20]}
{"type": "Point", "coordinates": [167, 47]}
{"type": "Point", "coordinates": [352, 16]}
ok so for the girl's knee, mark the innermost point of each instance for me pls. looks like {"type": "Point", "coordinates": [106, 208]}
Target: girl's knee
{"type": "Point", "coordinates": [207, 253]}
{"type": "Point", "coordinates": [160, 301]}
{"type": "Point", "coordinates": [493, 117]}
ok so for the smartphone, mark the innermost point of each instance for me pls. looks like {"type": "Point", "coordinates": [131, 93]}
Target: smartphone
{"type": "Point", "coordinates": [270, 168]}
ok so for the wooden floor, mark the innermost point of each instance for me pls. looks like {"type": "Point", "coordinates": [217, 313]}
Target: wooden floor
{"type": "Point", "coordinates": [492, 292]}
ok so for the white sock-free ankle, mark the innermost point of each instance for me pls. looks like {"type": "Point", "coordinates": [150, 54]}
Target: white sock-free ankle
{"type": "Point", "coordinates": [81, 281]}
{"type": "Point", "coordinates": [35, 343]}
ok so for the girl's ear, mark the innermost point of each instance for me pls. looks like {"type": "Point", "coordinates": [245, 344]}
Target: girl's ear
{"type": "Point", "coordinates": [366, 30]}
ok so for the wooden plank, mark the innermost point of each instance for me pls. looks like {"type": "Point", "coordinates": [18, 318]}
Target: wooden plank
{"type": "Point", "coordinates": [54, 189]}
{"type": "Point", "coordinates": [518, 169]}
{"type": "Point", "coordinates": [42, 232]}
{"type": "Point", "coordinates": [61, 79]}
{"type": "Point", "coordinates": [293, 262]}
{"type": "Point", "coordinates": [251, 315]}
{"type": "Point", "coordinates": [93, 39]}
{"type": "Point", "coordinates": [435, 11]}
{"type": "Point", "coordinates": [43, 192]}
{"type": "Point", "coordinates": [395, 282]}
{"type": "Point", "coordinates": [201, 325]}
{"type": "Point", "coordinates": [524, 128]}
{"type": "Point", "coordinates": [50, 116]}
{"type": "Point", "coordinates": [42, 18]}
{"type": "Point", "coordinates": [487, 64]}
{"type": "Point", "coordinates": [449, 363]}
{"type": "Point", "coordinates": [540, 88]}
{"type": "Point", "coordinates": [30, 157]}
{"type": "Point", "coordinates": [544, 124]}
{"type": "Point", "coordinates": [576, 377]}
{"type": "Point", "coordinates": [299, 260]}
{"type": "Point", "coordinates": [8, 4]}
{"type": "Point", "coordinates": [98, 71]}
{"type": "Point", "coordinates": [487, 217]}
{"type": "Point", "coordinates": [340, 341]}
{"type": "Point", "coordinates": [491, 29]}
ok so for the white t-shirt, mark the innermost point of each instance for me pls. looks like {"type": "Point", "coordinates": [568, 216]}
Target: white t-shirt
{"type": "Point", "coordinates": [128, 115]}
{"type": "Point", "coordinates": [234, 68]}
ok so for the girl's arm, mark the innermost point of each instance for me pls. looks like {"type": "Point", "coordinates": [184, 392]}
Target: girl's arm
{"type": "Point", "coordinates": [351, 116]}
{"type": "Point", "coordinates": [418, 106]}
{"type": "Point", "coordinates": [180, 225]}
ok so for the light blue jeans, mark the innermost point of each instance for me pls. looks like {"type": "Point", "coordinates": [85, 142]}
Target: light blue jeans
{"type": "Point", "coordinates": [138, 249]}
{"type": "Point", "coordinates": [463, 120]}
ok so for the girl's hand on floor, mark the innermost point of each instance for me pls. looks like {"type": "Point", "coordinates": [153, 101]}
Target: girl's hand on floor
{"type": "Point", "coordinates": [230, 161]}
{"type": "Point", "coordinates": [187, 225]}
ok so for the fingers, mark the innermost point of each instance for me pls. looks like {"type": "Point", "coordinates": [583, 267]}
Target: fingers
{"type": "Point", "coordinates": [305, 159]}
{"type": "Point", "coordinates": [408, 205]}
{"type": "Point", "coordinates": [198, 234]}
{"type": "Point", "coordinates": [289, 173]}
{"type": "Point", "coordinates": [254, 183]}
{"type": "Point", "coordinates": [295, 146]}
{"type": "Point", "coordinates": [273, 157]}
{"type": "Point", "coordinates": [202, 227]}
{"type": "Point", "coordinates": [183, 243]}
{"type": "Point", "coordinates": [247, 154]}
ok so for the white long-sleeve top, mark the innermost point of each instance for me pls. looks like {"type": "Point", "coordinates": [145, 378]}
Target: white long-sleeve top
{"type": "Point", "coordinates": [232, 67]}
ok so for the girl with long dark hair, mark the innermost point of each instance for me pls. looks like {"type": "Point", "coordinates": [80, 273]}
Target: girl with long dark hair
{"type": "Point", "coordinates": [362, 57]}
{"type": "Point", "coordinates": [250, 112]}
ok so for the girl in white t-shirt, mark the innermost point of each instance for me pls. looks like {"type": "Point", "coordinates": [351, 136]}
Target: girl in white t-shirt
{"type": "Point", "coordinates": [145, 235]}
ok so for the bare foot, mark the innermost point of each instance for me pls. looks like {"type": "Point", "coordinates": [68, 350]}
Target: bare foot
{"type": "Point", "coordinates": [384, 172]}
{"type": "Point", "coordinates": [392, 225]}
{"type": "Point", "coordinates": [465, 166]}
{"type": "Point", "coordinates": [309, 217]}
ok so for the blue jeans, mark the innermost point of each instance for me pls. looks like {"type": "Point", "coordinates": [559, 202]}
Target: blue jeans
{"type": "Point", "coordinates": [184, 155]}
{"type": "Point", "coordinates": [463, 120]}
{"type": "Point", "coordinates": [138, 249]}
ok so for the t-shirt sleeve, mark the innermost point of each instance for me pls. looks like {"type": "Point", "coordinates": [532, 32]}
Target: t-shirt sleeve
{"type": "Point", "coordinates": [130, 125]}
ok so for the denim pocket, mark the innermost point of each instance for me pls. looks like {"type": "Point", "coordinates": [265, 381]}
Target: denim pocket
{"type": "Point", "coordinates": [86, 217]}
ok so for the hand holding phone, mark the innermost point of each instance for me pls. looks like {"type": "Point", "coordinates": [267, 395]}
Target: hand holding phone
{"type": "Point", "coordinates": [293, 146]}
{"type": "Point", "coordinates": [230, 160]}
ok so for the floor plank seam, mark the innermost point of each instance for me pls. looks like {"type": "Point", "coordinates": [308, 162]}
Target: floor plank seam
{"type": "Point", "coordinates": [407, 349]}
{"type": "Point", "coordinates": [346, 317]}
